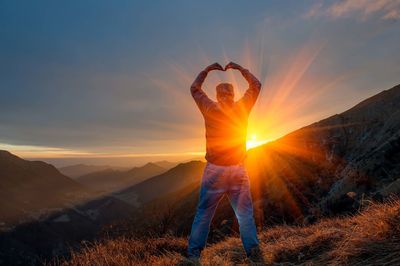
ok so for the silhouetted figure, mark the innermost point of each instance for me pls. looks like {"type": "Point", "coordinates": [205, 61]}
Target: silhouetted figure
{"type": "Point", "coordinates": [226, 130]}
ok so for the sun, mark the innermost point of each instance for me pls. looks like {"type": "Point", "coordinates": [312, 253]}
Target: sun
{"type": "Point", "coordinates": [253, 141]}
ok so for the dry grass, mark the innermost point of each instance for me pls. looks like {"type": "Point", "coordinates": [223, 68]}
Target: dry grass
{"type": "Point", "coordinates": [159, 251]}
{"type": "Point", "coordinates": [369, 238]}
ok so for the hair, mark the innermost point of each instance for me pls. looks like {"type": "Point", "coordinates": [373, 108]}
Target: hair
{"type": "Point", "coordinates": [222, 88]}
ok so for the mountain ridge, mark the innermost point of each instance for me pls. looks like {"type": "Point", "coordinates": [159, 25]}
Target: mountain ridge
{"type": "Point", "coordinates": [27, 187]}
{"type": "Point", "coordinates": [172, 180]}
{"type": "Point", "coordinates": [110, 180]}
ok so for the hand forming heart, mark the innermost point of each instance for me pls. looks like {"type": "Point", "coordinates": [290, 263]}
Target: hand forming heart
{"type": "Point", "coordinates": [233, 65]}
{"type": "Point", "coordinates": [217, 66]}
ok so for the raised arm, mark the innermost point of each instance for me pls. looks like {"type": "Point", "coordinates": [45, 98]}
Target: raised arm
{"type": "Point", "coordinates": [250, 96]}
{"type": "Point", "coordinates": [199, 96]}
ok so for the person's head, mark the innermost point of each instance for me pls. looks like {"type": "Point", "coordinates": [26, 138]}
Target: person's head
{"type": "Point", "coordinates": [225, 93]}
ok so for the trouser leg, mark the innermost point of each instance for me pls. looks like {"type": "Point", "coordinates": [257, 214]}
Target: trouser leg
{"type": "Point", "coordinates": [208, 202]}
{"type": "Point", "coordinates": [240, 198]}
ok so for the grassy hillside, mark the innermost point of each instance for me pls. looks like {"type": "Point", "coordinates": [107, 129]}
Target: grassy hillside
{"type": "Point", "coordinates": [371, 237]}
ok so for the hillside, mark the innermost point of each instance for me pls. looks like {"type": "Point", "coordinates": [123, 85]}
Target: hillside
{"type": "Point", "coordinates": [29, 189]}
{"type": "Point", "coordinates": [313, 169]}
{"type": "Point", "coordinates": [369, 238]}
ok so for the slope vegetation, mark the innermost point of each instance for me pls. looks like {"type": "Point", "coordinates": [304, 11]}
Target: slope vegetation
{"type": "Point", "coordinates": [369, 238]}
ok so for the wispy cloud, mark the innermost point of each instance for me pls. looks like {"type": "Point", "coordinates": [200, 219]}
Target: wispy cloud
{"type": "Point", "coordinates": [360, 9]}
{"type": "Point", "coordinates": [29, 151]}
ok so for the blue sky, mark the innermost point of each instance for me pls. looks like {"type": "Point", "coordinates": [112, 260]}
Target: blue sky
{"type": "Point", "coordinates": [111, 78]}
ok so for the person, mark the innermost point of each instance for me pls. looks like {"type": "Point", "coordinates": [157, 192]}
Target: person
{"type": "Point", "coordinates": [225, 174]}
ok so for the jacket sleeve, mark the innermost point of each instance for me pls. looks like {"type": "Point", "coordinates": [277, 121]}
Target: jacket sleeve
{"type": "Point", "coordinates": [200, 97]}
{"type": "Point", "coordinates": [250, 96]}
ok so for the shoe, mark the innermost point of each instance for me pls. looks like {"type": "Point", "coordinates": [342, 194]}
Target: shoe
{"type": "Point", "coordinates": [190, 261]}
{"type": "Point", "coordinates": [255, 256]}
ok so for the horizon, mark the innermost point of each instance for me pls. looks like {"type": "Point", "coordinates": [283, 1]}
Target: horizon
{"type": "Point", "coordinates": [104, 88]}
{"type": "Point", "coordinates": [125, 160]}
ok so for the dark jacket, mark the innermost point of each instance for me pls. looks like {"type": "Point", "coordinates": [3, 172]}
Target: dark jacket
{"type": "Point", "coordinates": [226, 126]}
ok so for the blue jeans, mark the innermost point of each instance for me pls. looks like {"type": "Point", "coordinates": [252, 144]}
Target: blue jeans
{"type": "Point", "coordinates": [216, 182]}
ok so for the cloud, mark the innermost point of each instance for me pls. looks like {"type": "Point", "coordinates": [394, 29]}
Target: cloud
{"type": "Point", "coordinates": [393, 14]}
{"type": "Point", "coordinates": [361, 9]}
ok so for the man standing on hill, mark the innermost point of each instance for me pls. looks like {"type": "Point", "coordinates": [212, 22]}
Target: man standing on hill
{"type": "Point", "coordinates": [226, 130]}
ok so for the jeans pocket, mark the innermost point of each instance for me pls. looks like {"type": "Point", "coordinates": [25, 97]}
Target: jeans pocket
{"type": "Point", "coordinates": [241, 177]}
{"type": "Point", "coordinates": [210, 176]}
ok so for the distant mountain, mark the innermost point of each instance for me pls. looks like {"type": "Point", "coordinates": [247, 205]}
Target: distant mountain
{"type": "Point", "coordinates": [77, 170]}
{"type": "Point", "coordinates": [30, 188]}
{"type": "Point", "coordinates": [109, 180]}
{"type": "Point", "coordinates": [44, 213]}
{"type": "Point", "coordinates": [174, 179]}
{"type": "Point", "coordinates": [166, 164]}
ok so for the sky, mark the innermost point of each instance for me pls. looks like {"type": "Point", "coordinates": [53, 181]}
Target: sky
{"type": "Point", "coordinates": [107, 82]}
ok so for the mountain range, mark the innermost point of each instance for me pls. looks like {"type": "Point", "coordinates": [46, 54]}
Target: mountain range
{"type": "Point", "coordinates": [44, 213]}
{"type": "Point", "coordinates": [180, 176]}
{"type": "Point", "coordinates": [78, 170]}
{"type": "Point", "coordinates": [334, 166]}
{"type": "Point", "coordinates": [29, 189]}
{"type": "Point", "coordinates": [109, 180]}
